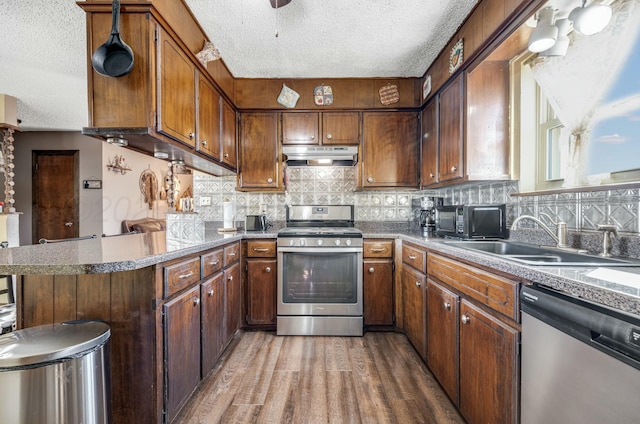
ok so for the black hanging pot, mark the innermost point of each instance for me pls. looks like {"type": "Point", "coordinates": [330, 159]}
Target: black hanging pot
{"type": "Point", "coordinates": [114, 58]}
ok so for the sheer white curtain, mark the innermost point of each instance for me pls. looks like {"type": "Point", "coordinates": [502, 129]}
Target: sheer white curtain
{"type": "Point", "coordinates": [576, 83]}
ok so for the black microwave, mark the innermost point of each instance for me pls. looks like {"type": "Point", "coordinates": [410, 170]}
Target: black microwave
{"type": "Point", "coordinates": [472, 221]}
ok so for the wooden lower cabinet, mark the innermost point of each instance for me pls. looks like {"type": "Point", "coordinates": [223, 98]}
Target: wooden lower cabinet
{"type": "Point", "coordinates": [212, 295]}
{"type": "Point", "coordinates": [261, 291]}
{"type": "Point", "coordinates": [234, 300]}
{"type": "Point", "coordinates": [182, 349]}
{"type": "Point", "coordinates": [378, 292]}
{"type": "Point", "coordinates": [488, 367]}
{"type": "Point", "coordinates": [413, 301]}
{"type": "Point", "coordinates": [442, 337]}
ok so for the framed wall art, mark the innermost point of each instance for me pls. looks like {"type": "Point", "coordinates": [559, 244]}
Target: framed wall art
{"type": "Point", "coordinates": [456, 57]}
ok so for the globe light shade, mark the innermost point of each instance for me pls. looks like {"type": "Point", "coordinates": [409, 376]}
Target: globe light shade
{"type": "Point", "coordinates": [590, 20]}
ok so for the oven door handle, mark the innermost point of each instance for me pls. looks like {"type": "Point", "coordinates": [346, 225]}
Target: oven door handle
{"type": "Point", "coordinates": [319, 250]}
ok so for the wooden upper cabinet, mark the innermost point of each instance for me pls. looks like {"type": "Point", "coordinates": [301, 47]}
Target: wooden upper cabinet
{"type": "Point", "coordinates": [390, 150]}
{"type": "Point", "coordinates": [208, 135]}
{"type": "Point", "coordinates": [341, 128]}
{"type": "Point", "coordinates": [229, 135]}
{"type": "Point", "coordinates": [451, 151]}
{"type": "Point", "coordinates": [330, 128]}
{"type": "Point", "coordinates": [259, 152]}
{"type": "Point", "coordinates": [300, 128]}
{"type": "Point", "coordinates": [176, 91]}
{"type": "Point", "coordinates": [429, 172]}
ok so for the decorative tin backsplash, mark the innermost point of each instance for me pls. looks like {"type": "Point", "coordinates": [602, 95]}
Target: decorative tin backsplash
{"type": "Point", "coordinates": [336, 185]}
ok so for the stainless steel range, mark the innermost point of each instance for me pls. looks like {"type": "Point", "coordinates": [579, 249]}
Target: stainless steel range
{"type": "Point", "coordinates": [320, 273]}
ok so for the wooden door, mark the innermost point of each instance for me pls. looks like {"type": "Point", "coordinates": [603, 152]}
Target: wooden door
{"type": "Point", "coordinates": [378, 292]}
{"type": "Point", "coordinates": [390, 150]}
{"type": "Point", "coordinates": [212, 293]}
{"type": "Point", "coordinates": [429, 172]}
{"type": "Point", "coordinates": [451, 151]}
{"type": "Point", "coordinates": [176, 92]}
{"type": "Point", "coordinates": [300, 128]}
{"type": "Point", "coordinates": [261, 295]}
{"type": "Point", "coordinates": [55, 195]}
{"type": "Point", "coordinates": [341, 128]}
{"type": "Point", "coordinates": [182, 349]}
{"type": "Point", "coordinates": [229, 135]}
{"type": "Point", "coordinates": [413, 291]}
{"type": "Point", "coordinates": [442, 337]}
{"type": "Point", "coordinates": [233, 300]}
{"type": "Point", "coordinates": [259, 161]}
{"type": "Point", "coordinates": [488, 367]}
{"type": "Point", "coordinates": [208, 136]}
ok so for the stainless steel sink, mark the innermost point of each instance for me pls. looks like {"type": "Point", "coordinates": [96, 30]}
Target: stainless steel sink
{"type": "Point", "coordinates": [540, 255]}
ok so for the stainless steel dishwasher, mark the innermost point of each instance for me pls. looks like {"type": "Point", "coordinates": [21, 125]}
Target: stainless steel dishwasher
{"type": "Point", "coordinates": [580, 361]}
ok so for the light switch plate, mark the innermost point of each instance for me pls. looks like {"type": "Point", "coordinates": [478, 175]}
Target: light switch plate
{"type": "Point", "coordinates": [205, 201]}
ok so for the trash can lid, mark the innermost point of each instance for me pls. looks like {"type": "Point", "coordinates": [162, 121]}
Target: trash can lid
{"type": "Point", "coordinates": [47, 343]}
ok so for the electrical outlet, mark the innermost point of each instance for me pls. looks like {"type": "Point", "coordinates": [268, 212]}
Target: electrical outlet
{"type": "Point", "coordinates": [205, 201]}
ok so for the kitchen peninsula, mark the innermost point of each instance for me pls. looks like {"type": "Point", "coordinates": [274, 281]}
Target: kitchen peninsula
{"type": "Point", "coordinates": [155, 293]}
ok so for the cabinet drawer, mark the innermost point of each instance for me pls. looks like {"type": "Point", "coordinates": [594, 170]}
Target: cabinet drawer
{"type": "Point", "coordinates": [261, 248]}
{"type": "Point", "coordinates": [497, 292]}
{"type": "Point", "coordinates": [231, 254]}
{"type": "Point", "coordinates": [181, 275]}
{"type": "Point", "coordinates": [378, 248]}
{"type": "Point", "coordinates": [414, 257]}
{"type": "Point", "coordinates": [212, 262]}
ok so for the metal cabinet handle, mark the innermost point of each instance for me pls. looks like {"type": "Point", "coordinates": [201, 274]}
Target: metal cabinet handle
{"type": "Point", "coordinates": [378, 249]}
{"type": "Point", "coordinates": [210, 293]}
{"type": "Point", "coordinates": [370, 179]}
{"type": "Point", "coordinates": [196, 301]}
{"type": "Point", "coordinates": [230, 278]}
{"type": "Point", "coordinates": [371, 270]}
{"type": "Point", "coordinates": [412, 257]}
{"type": "Point", "coordinates": [329, 136]}
{"type": "Point", "coordinates": [313, 137]}
{"type": "Point", "coordinates": [447, 306]}
{"type": "Point", "coordinates": [204, 142]}
{"type": "Point", "coordinates": [187, 275]}
{"type": "Point", "coordinates": [260, 249]}
{"type": "Point", "coordinates": [454, 169]}
{"type": "Point", "coordinates": [232, 253]}
{"type": "Point", "coordinates": [68, 224]}
{"type": "Point", "coordinates": [418, 284]}
{"type": "Point", "coordinates": [465, 319]}
{"type": "Point", "coordinates": [269, 180]}
{"type": "Point", "coordinates": [191, 135]}
{"type": "Point", "coordinates": [214, 263]}
{"type": "Point", "coordinates": [432, 175]}
{"type": "Point", "coordinates": [226, 155]}
{"type": "Point", "coordinates": [268, 269]}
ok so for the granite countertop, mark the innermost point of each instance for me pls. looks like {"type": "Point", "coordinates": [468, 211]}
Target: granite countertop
{"type": "Point", "coordinates": [128, 252]}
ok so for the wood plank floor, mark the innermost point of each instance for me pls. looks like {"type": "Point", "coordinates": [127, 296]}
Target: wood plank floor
{"type": "Point", "coordinates": [264, 378]}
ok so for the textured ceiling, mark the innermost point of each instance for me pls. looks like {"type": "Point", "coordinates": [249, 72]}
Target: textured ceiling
{"type": "Point", "coordinates": [43, 57]}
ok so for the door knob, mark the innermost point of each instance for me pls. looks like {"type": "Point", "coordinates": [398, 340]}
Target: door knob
{"type": "Point", "coordinates": [371, 270]}
{"type": "Point", "coordinates": [210, 292]}
{"type": "Point", "coordinates": [465, 319]}
{"type": "Point", "coordinates": [204, 142]}
{"type": "Point", "coordinates": [269, 180]}
{"type": "Point", "coordinates": [68, 224]}
{"type": "Point", "coordinates": [454, 169]}
{"type": "Point", "coordinates": [226, 155]}
{"type": "Point", "coordinates": [268, 269]}
{"type": "Point", "coordinates": [370, 179]}
{"type": "Point", "coordinates": [196, 301]}
{"type": "Point", "coordinates": [447, 306]}
{"type": "Point", "coordinates": [329, 136]}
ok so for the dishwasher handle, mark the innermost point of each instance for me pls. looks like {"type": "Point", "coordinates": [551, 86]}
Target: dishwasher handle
{"type": "Point", "coordinates": [612, 331]}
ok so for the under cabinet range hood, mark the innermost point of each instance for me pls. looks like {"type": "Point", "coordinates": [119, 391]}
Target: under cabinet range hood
{"type": "Point", "coordinates": [320, 155]}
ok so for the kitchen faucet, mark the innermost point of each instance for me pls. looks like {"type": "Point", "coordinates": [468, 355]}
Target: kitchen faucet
{"type": "Point", "coordinates": [560, 237]}
{"type": "Point", "coordinates": [607, 230]}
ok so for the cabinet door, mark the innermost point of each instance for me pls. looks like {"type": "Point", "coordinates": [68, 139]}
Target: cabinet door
{"type": "Point", "coordinates": [182, 349]}
{"type": "Point", "coordinates": [259, 158]}
{"type": "Point", "coordinates": [341, 128]}
{"type": "Point", "coordinates": [378, 292]}
{"type": "Point", "coordinates": [208, 135]}
{"type": "Point", "coordinates": [233, 300]}
{"type": "Point", "coordinates": [229, 138]}
{"type": "Point", "coordinates": [212, 293]}
{"type": "Point", "coordinates": [300, 128]}
{"type": "Point", "coordinates": [176, 92]}
{"type": "Point", "coordinates": [442, 337]}
{"type": "Point", "coordinates": [261, 287]}
{"type": "Point", "coordinates": [430, 135]}
{"type": "Point", "coordinates": [413, 299]}
{"type": "Point", "coordinates": [488, 367]}
{"type": "Point", "coordinates": [450, 158]}
{"type": "Point", "coordinates": [390, 150]}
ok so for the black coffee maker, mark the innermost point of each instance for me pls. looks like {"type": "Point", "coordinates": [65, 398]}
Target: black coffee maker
{"type": "Point", "coordinates": [427, 218]}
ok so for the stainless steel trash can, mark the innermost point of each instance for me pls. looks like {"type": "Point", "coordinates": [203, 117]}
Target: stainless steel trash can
{"type": "Point", "coordinates": [56, 374]}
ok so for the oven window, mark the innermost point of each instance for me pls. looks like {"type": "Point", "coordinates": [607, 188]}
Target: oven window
{"type": "Point", "coordinates": [320, 278]}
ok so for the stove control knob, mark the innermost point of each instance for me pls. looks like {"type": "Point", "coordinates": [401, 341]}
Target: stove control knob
{"type": "Point", "coordinates": [302, 242]}
{"type": "Point", "coordinates": [292, 242]}
{"type": "Point", "coordinates": [320, 241]}
{"type": "Point", "coordinates": [337, 242]}
{"type": "Point", "coordinates": [348, 242]}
